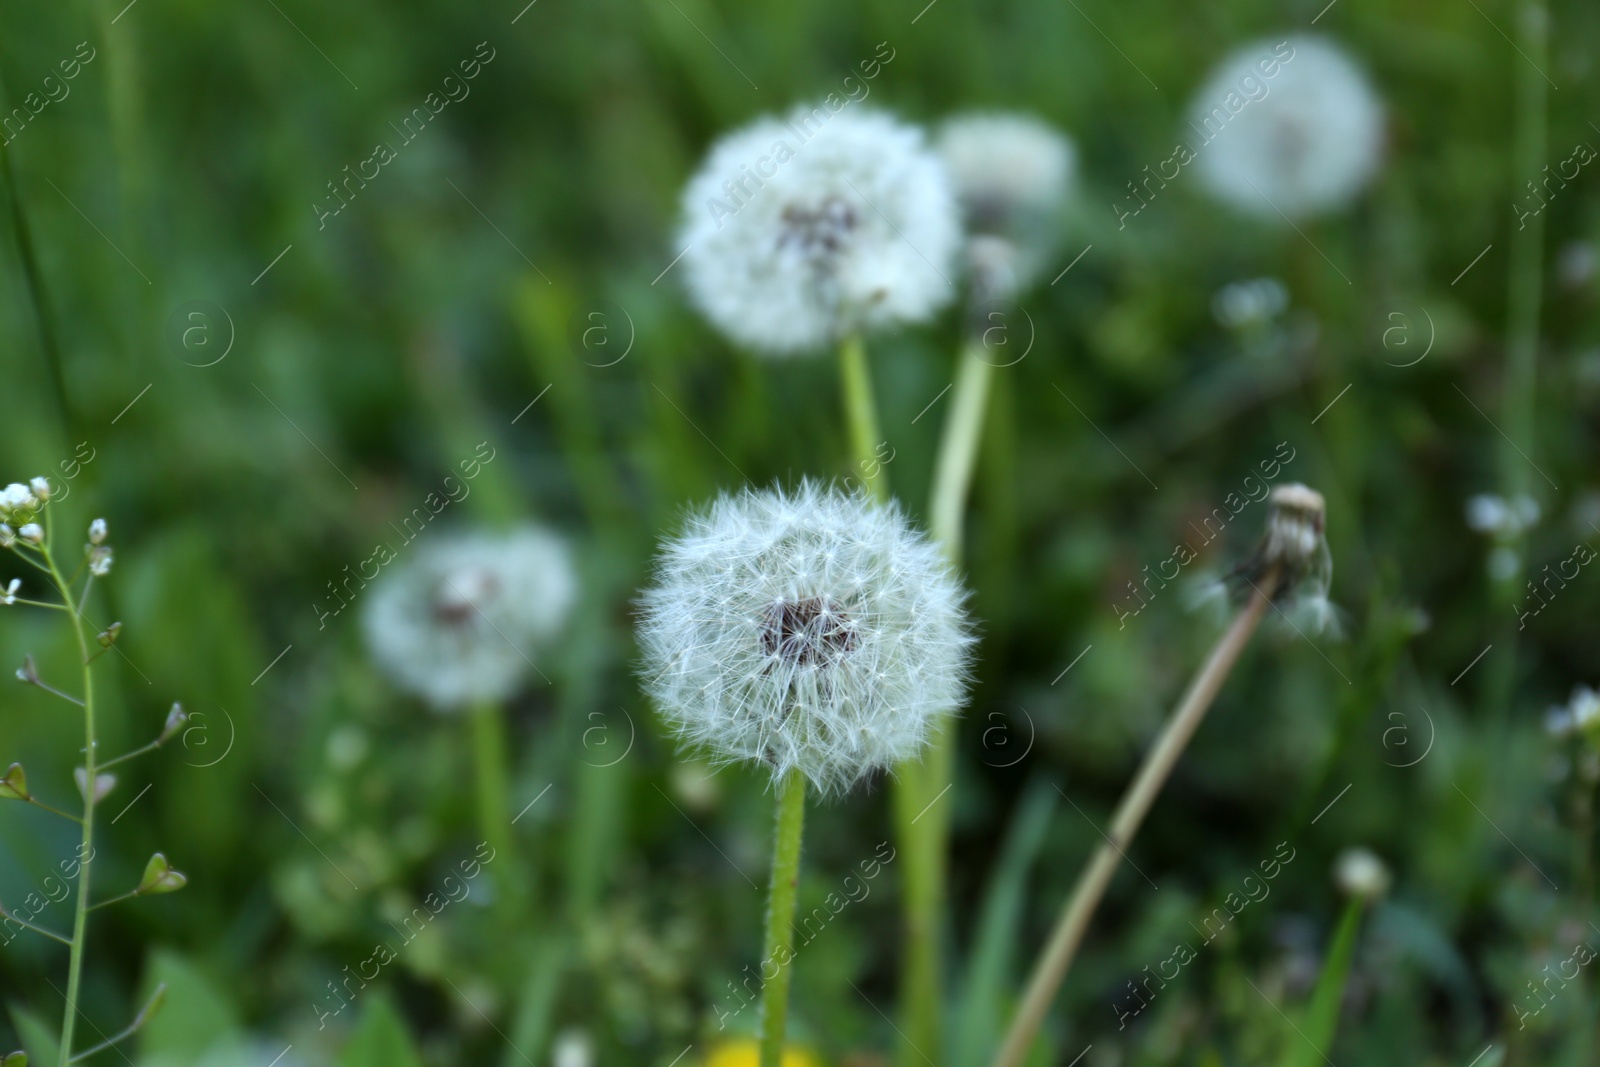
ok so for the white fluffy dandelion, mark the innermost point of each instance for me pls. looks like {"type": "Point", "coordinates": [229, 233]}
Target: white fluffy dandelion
{"type": "Point", "coordinates": [802, 230]}
{"type": "Point", "coordinates": [1012, 174]}
{"type": "Point", "coordinates": [1305, 138]}
{"type": "Point", "coordinates": [813, 630]}
{"type": "Point", "coordinates": [459, 624]}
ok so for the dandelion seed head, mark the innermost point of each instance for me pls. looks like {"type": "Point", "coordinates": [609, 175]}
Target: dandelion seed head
{"type": "Point", "coordinates": [802, 230]}
{"type": "Point", "coordinates": [1006, 168]}
{"type": "Point", "coordinates": [813, 630]}
{"type": "Point", "coordinates": [1310, 143]}
{"type": "Point", "coordinates": [1012, 174]}
{"type": "Point", "coordinates": [462, 620]}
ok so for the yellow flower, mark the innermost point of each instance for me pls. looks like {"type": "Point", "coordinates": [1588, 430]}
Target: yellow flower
{"type": "Point", "coordinates": [746, 1052]}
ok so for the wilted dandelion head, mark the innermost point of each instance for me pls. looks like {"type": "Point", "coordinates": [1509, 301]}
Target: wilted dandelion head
{"type": "Point", "coordinates": [1012, 174]}
{"type": "Point", "coordinates": [1291, 563]}
{"type": "Point", "coordinates": [1303, 140]}
{"type": "Point", "coordinates": [460, 621]}
{"type": "Point", "coordinates": [812, 630]}
{"type": "Point", "coordinates": [802, 230]}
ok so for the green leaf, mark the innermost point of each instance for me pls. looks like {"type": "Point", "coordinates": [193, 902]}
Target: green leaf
{"type": "Point", "coordinates": [981, 1011]}
{"type": "Point", "coordinates": [14, 786]}
{"type": "Point", "coordinates": [38, 1037]}
{"type": "Point", "coordinates": [196, 1016]}
{"type": "Point", "coordinates": [159, 877]}
{"type": "Point", "coordinates": [1322, 1018]}
{"type": "Point", "coordinates": [381, 1039]}
{"type": "Point", "coordinates": [14, 1059]}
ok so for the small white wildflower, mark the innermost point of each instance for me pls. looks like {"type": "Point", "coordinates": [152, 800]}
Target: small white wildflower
{"type": "Point", "coordinates": [100, 561]}
{"type": "Point", "coordinates": [1492, 514]}
{"type": "Point", "coordinates": [33, 533]}
{"type": "Point", "coordinates": [97, 532]}
{"type": "Point", "coordinates": [1360, 873]}
{"type": "Point", "coordinates": [460, 622]}
{"type": "Point", "coordinates": [16, 498]}
{"type": "Point", "coordinates": [8, 536]}
{"type": "Point", "coordinates": [814, 630]}
{"type": "Point", "coordinates": [41, 488]}
{"type": "Point", "coordinates": [572, 1048]}
{"type": "Point", "coordinates": [1305, 139]}
{"type": "Point", "coordinates": [800, 231]}
{"type": "Point", "coordinates": [9, 597]}
{"type": "Point", "coordinates": [1580, 713]}
{"type": "Point", "coordinates": [1251, 303]}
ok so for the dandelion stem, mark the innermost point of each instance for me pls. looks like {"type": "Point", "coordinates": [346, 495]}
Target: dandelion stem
{"type": "Point", "coordinates": [80, 921]}
{"type": "Point", "coordinates": [861, 411]}
{"type": "Point", "coordinates": [1058, 954]}
{"type": "Point", "coordinates": [490, 759]}
{"type": "Point", "coordinates": [922, 825]}
{"type": "Point", "coordinates": [788, 824]}
{"type": "Point", "coordinates": [958, 450]}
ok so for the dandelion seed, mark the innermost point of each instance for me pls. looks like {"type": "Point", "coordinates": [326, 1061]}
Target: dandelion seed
{"type": "Point", "coordinates": [812, 630]}
{"type": "Point", "coordinates": [1309, 141]}
{"type": "Point", "coordinates": [801, 231]}
{"type": "Point", "coordinates": [460, 623]}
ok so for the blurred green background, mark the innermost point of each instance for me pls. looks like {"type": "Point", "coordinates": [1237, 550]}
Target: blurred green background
{"type": "Point", "coordinates": [514, 251]}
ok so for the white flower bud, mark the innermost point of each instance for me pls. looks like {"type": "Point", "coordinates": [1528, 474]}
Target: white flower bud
{"type": "Point", "coordinates": [812, 631]}
{"type": "Point", "coordinates": [1360, 873]}
{"type": "Point", "coordinates": [16, 497]}
{"type": "Point", "coordinates": [8, 536]}
{"type": "Point", "coordinates": [33, 533]}
{"type": "Point", "coordinates": [41, 488]}
{"type": "Point", "coordinates": [100, 561]}
{"type": "Point", "coordinates": [9, 596]}
{"type": "Point", "coordinates": [97, 532]}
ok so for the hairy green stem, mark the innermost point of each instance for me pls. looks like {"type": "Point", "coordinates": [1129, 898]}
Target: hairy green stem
{"type": "Point", "coordinates": [80, 919]}
{"type": "Point", "coordinates": [861, 412]}
{"type": "Point", "coordinates": [490, 759]}
{"type": "Point", "coordinates": [789, 822]}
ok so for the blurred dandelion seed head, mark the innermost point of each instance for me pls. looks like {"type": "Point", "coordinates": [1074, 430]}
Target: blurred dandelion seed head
{"type": "Point", "coordinates": [1309, 141]}
{"type": "Point", "coordinates": [798, 231]}
{"type": "Point", "coordinates": [811, 630]}
{"type": "Point", "coordinates": [1012, 174]}
{"type": "Point", "coordinates": [461, 621]}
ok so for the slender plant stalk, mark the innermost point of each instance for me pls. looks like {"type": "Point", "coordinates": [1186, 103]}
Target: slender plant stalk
{"type": "Point", "coordinates": [489, 754]}
{"type": "Point", "coordinates": [958, 450]}
{"type": "Point", "coordinates": [861, 412]}
{"type": "Point", "coordinates": [1525, 288]}
{"type": "Point", "coordinates": [1057, 957]}
{"type": "Point", "coordinates": [37, 297]}
{"type": "Point", "coordinates": [789, 823]}
{"type": "Point", "coordinates": [924, 825]}
{"type": "Point", "coordinates": [80, 919]}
